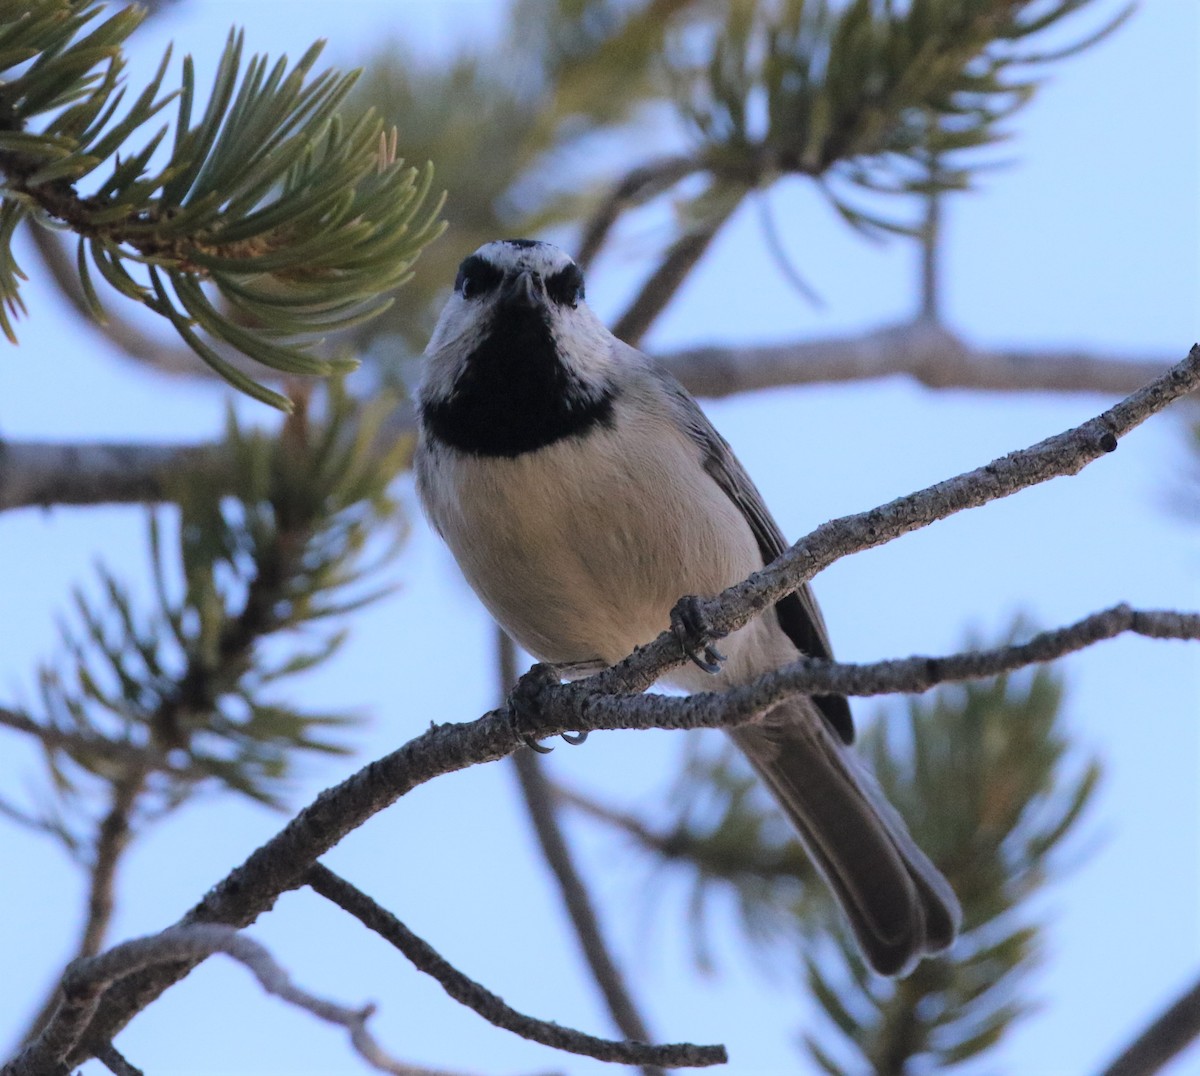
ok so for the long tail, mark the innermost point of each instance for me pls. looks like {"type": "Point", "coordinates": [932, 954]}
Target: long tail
{"type": "Point", "coordinates": [899, 905]}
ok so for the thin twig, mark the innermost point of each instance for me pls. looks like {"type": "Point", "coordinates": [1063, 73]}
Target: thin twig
{"type": "Point", "coordinates": [113, 1060]}
{"type": "Point", "coordinates": [281, 863]}
{"type": "Point", "coordinates": [539, 802]}
{"type": "Point", "coordinates": [1163, 1040]}
{"type": "Point", "coordinates": [931, 245]}
{"type": "Point", "coordinates": [112, 838]}
{"type": "Point", "coordinates": [812, 676]}
{"type": "Point", "coordinates": [784, 861]}
{"type": "Point", "coordinates": [621, 820]}
{"type": "Point", "coordinates": [481, 1000]}
{"type": "Point", "coordinates": [665, 281]}
{"type": "Point", "coordinates": [640, 185]}
{"type": "Point", "coordinates": [779, 254]}
{"type": "Point", "coordinates": [85, 981]}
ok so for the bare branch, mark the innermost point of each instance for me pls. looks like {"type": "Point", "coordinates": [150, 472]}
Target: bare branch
{"type": "Point", "coordinates": [85, 981]}
{"type": "Point", "coordinates": [539, 800]}
{"type": "Point", "coordinates": [112, 838]}
{"type": "Point", "coordinates": [492, 1008]}
{"type": "Point", "coordinates": [1063, 454]}
{"type": "Point", "coordinates": [113, 1060]}
{"type": "Point", "coordinates": [538, 795]}
{"type": "Point", "coordinates": [35, 473]}
{"type": "Point", "coordinates": [922, 350]}
{"type": "Point", "coordinates": [1163, 1040]}
{"type": "Point", "coordinates": [282, 862]}
{"type": "Point", "coordinates": [812, 676]}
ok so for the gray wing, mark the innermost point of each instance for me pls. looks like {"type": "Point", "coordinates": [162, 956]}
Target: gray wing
{"type": "Point", "coordinates": [798, 613]}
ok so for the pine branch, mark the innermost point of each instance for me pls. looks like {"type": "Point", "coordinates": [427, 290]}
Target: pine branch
{"type": "Point", "coordinates": [665, 281]}
{"type": "Point", "coordinates": [858, 96]}
{"type": "Point", "coordinates": [640, 185]}
{"type": "Point", "coordinates": [282, 862]}
{"type": "Point", "coordinates": [488, 1005]}
{"type": "Point", "coordinates": [302, 221]}
{"type": "Point", "coordinates": [126, 335]}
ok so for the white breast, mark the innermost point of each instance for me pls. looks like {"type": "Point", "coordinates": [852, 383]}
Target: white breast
{"type": "Point", "coordinates": [581, 549]}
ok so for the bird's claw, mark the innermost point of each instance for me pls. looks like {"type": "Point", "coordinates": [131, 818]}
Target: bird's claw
{"type": "Point", "coordinates": [524, 703]}
{"type": "Point", "coordinates": [690, 627]}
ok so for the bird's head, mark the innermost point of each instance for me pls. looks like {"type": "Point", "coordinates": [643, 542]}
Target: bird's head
{"type": "Point", "coordinates": [517, 304]}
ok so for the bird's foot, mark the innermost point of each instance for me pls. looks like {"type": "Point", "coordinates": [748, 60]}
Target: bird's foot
{"type": "Point", "coordinates": [691, 628]}
{"type": "Point", "coordinates": [525, 704]}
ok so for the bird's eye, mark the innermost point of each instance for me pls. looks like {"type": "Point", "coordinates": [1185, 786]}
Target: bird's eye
{"type": "Point", "coordinates": [566, 286]}
{"type": "Point", "coordinates": [476, 277]}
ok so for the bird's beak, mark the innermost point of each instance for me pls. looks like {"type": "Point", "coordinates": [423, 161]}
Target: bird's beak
{"type": "Point", "coordinates": [521, 290]}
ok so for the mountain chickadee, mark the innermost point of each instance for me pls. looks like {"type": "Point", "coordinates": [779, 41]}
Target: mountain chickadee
{"type": "Point", "coordinates": [583, 492]}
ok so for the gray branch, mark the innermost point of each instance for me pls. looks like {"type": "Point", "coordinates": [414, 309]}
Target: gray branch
{"type": "Point", "coordinates": [922, 350]}
{"type": "Point", "coordinates": [85, 981]}
{"type": "Point", "coordinates": [1163, 1040]}
{"type": "Point", "coordinates": [640, 185]}
{"type": "Point", "coordinates": [594, 711]}
{"type": "Point", "coordinates": [492, 1008]}
{"type": "Point", "coordinates": [42, 474]}
{"type": "Point", "coordinates": [282, 862]}
{"type": "Point", "coordinates": [111, 841]}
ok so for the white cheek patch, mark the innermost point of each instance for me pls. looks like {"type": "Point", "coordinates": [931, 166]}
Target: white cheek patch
{"type": "Point", "coordinates": [458, 332]}
{"type": "Point", "coordinates": [584, 345]}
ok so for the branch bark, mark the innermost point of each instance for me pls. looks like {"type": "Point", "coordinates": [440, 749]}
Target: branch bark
{"type": "Point", "coordinates": [1163, 1040]}
{"type": "Point", "coordinates": [41, 474]}
{"type": "Point", "coordinates": [282, 862]}
{"type": "Point", "coordinates": [923, 350]}
{"type": "Point", "coordinates": [85, 982]}
{"type": "Point", "coordinates": [492, 1008]}
{"type": "Point", "coordinates": [112, 838]}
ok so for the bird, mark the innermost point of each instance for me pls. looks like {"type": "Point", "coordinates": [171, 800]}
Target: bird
{"type": "Point", "coordinates": [584, 493]}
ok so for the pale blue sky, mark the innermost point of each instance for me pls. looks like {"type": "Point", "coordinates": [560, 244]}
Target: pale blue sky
{"type": "Point", "coordinates": [1091, 238]}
